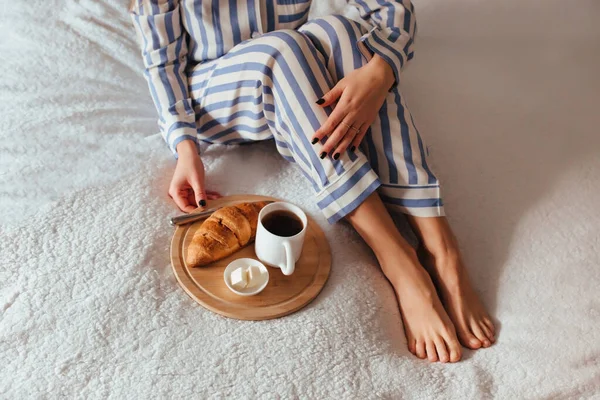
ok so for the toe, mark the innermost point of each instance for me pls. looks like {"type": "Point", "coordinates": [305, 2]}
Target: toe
{"type": "Point", "coordinates": [469, 340]}
{"type": "Point", "coordinates": [442, 350]}
{"type": "Point", "coordinates": [487, 331]}
{"type": "Point", "coordinates": [455, 351]}
{"type": "Point", "coordinates": [420, 350]}
{"type": "Point", "coordinates": [431, 352]}
{"type": "Point", "coordinates": [453, 347]}
{"type": "Point", "coordinates": [488, 322]}
{"type": "Point", "coordinates": [478, 332]}
{"type": "Point", "coordinates": [412, 346]}
{"type": "Point", "coordinates": [411, 343]}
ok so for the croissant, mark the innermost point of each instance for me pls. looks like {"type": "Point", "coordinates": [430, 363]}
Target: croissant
{"type": "Point", "coordinates": [223, 233]}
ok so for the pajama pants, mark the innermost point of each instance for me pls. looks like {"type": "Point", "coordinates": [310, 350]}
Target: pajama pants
{"type": "Point", "coordinates": [266, 88]}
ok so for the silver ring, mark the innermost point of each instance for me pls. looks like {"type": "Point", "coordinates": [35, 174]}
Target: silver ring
{"type": "Point", "coordinates": [350, 126]}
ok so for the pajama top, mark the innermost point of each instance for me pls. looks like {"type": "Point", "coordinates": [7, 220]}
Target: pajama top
{"type": "Point", "coordinates": [176, 33]}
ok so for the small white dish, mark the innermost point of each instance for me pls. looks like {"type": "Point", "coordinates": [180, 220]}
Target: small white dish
{"type": "Point", "coordinates": [246, 262]}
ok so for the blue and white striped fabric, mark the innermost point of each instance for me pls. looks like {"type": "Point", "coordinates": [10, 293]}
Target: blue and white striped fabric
{"type": "Point", "coordinates": [232, 71]}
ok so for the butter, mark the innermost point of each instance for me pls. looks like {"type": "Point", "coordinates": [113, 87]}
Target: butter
{"type": "Point", "coordinates": [239, 278]}
{"type": "Point", "coordinates": [254, 276]}
{"type": "Point", "coordinates": [247, 277]}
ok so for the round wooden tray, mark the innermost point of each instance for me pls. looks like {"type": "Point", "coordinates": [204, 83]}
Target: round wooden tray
{"type": "Point", "coordinates": [282, 296]}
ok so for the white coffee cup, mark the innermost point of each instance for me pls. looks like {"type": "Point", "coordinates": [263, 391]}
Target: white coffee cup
{"type": "Point", "coordinates": [280, 251]}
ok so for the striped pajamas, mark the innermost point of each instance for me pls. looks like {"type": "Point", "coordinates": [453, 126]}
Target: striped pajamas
{"type": "Point", "coordinates": [235, 71]}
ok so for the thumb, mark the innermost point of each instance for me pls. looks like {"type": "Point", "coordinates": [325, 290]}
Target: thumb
{"type": "Point", "coordinates": [198, 188]}
{"type": "Point", "coordinates": [333, 95]}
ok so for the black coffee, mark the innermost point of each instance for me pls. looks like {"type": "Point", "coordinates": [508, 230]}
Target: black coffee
{"type": "Point", "coordinates": [283, 223]}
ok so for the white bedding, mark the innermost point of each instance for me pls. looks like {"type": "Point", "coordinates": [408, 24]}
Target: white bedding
{"type": "Point", "coordinates": [504, 91]}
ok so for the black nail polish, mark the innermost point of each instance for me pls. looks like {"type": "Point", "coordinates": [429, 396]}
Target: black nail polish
{"type": "Point", "coordinates": [323, 154]}
{"type": "Point", "coordinates": [352, 148]}
{"type": "Point", "coordinates": [320, 101]}
{"type": "Point", "coordinates": [336, 156]}
{"type": "Point", "coordinates": [202, 203]}
{"type": "Point", "coordinates": [314, 141]}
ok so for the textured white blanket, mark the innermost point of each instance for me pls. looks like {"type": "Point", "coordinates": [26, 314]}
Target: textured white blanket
{"type": "Point", "coordinates": [504, 91]}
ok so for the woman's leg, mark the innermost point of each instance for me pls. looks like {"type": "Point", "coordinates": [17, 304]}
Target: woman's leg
{"type": "Point", "coordinates": [440, 250]}
{"type": "Point", "coordinates": [429, 332]}
{"type": "Point", "coordinates": [397, 153]}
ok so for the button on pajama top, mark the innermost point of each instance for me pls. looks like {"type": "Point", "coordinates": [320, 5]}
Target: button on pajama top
{"type": "Point", "coordinates": [234, 71]}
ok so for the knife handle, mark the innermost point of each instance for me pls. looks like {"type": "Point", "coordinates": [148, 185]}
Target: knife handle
{"type": "Point", "coordinates": [188, 218]}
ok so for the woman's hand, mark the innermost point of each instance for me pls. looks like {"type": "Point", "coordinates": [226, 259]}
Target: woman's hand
{"type": "Point", "coordinates": [187, 184]}
{"type": "Point", "coordinates": [359, 97]}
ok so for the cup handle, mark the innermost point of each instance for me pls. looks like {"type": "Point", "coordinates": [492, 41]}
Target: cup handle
{"type": "Point", "coordinates": [288, 268]}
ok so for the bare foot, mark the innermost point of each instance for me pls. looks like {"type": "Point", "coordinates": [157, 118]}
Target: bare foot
{"type": "Point", "coordinates": [429, 331]}
{"type": "Point", "coordinates": [473, 324]}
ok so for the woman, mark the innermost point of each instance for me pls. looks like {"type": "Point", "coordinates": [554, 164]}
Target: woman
{"type": "Point", "coordinates": [234, 71]}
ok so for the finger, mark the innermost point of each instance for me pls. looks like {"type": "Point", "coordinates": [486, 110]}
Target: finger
{"type": "Point", "coordinates": [199, 193]}
{"type": "Point", "coordinates": [329, 126]}
{"type": "Point", "coordinates": [335, 138]}
{"type": "Point", "coordinates": [192, 198]}
{"type": "Point", "coordinates": [333, 95]}
{"type": "Point", "coordinates": [346, 141]}
{"type": "Point", "coordinates": [360, 136]}
{"type": "Point", "coordinates": [181, 200]}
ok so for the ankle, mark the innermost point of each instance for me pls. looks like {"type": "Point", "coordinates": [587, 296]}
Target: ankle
{"type": "Point", "coordinates": [444, 263]}
{"type": "Point", "coordinates": [414, 282]}
{"type": "Point", "coordinates": [398, 261]}
{"type": "Point", "coordinates": [444, 256]}
{"type": "Point", "coordinates": [397, 258]}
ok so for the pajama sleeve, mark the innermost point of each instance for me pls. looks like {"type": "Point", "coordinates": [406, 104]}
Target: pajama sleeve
{"type": "Point", "coordinates": [393, 28]}
{"type": "Point", "coordinates": [163, 42]}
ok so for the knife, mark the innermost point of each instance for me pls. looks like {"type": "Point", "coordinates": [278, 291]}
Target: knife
{"type": "Point", "coordinates": [193, 217]}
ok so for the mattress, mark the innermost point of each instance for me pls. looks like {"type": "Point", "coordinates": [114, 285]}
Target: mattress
{"type": "Point", "coordinates": [504, 92]}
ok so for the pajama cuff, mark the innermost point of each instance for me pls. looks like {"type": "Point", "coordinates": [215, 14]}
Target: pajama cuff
{"type": "Point", "coordinates": [181, 139]}
{"type": "Point", "coordinates": [392, 46]}
{"type": "Point", "coordinates": [348, 191]}
{"type": "Point", "coordinates": [417, 200]}
{"type": "Point", "coordinates": [179, 124]}
{"type": "Point", "coordinates": [178, 132]}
